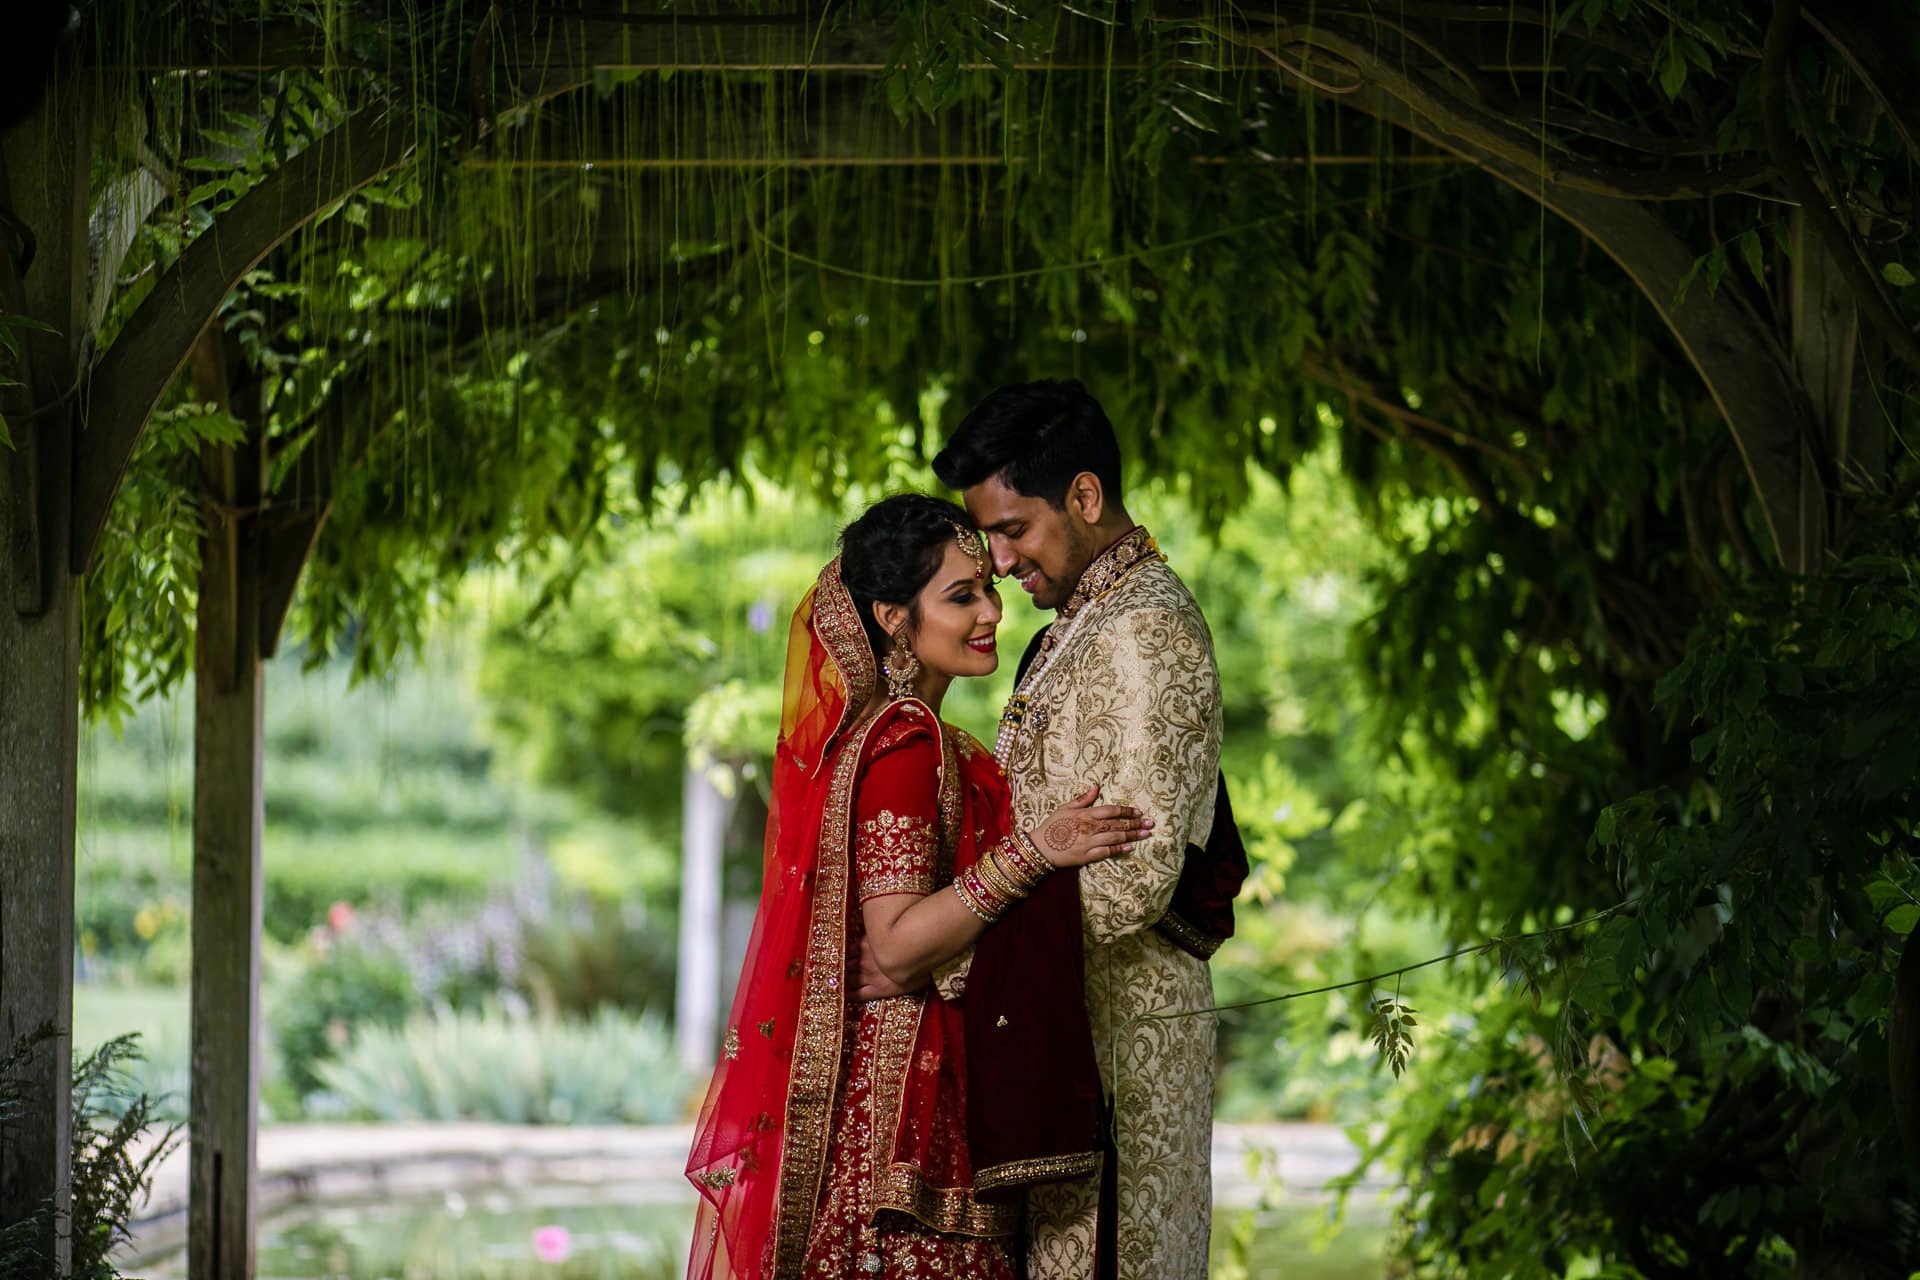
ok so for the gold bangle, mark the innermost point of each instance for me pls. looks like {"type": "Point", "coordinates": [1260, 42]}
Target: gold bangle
{"type": "Point", "coordinates": [995, 877]}
{"type": "Point", "coordinates": [990, 899]}
{"type": "Point", "coordinates": [1026, 867]}
{"type": "Point", "coordinates": [1004, 867]}
{"type": "Point", "coordinates": [1026, 842]}
{"type": "Point", "coordinates": [997, 883]}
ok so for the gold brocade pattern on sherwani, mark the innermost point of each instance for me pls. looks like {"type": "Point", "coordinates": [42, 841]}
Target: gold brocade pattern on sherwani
{"type": "Point", "coordinates": [1128, 696]}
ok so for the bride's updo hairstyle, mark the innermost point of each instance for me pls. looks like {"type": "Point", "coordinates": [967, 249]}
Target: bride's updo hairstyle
{"type": "Point", "coordinates": [892, 551]}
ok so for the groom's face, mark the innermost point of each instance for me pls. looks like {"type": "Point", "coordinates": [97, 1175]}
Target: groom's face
{"type": "Point", "coordinates": [1043, 547]}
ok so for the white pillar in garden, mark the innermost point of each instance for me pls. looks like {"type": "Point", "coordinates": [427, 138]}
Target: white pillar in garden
{"type": "Point", "coordinates": [697, 1010]}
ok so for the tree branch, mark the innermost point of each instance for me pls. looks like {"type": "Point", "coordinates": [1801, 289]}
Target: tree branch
{"type": "Point", "coordinates": [1867, 296]}
{"type": "Point", "coordinates": [1506, 137]}
{"type": "Point", "coordinates": [1737, 356]}
{"type": "Point", "coordinates": [1358, 386]}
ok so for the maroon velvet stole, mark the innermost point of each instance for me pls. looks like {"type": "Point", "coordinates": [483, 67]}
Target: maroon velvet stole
{"type": "Point", "coordinates": [1034, 1110]}
{"type": "Point", "coordinates": [1033, 1084]}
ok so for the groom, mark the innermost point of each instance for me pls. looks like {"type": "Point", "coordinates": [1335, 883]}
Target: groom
{"type": "Point", "coordinates": [1120, 690]}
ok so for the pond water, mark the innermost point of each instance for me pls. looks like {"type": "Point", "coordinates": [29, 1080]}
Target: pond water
{"type": "Point", "coordinates": [575, 1232]}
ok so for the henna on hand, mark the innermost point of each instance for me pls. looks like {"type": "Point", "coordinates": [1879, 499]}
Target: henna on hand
{"type": "Point", "coordinates": [1061, 835]}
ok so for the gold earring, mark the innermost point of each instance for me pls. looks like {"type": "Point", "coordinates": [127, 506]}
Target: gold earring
{"type": "Point", "coordinates": [901, 666]}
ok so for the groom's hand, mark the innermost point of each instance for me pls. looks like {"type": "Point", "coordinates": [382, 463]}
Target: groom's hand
{"type": "Point", "coordinates": [871, 984]}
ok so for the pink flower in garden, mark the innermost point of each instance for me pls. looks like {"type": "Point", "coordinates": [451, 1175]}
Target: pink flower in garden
{"type": "Point", "coordinates": [552, 1244]}
{"type": "Point", "coordinates": [340, 917]}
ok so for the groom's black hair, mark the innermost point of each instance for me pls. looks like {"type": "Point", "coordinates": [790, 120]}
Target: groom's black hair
{"type": "Point", "coordinates": [1037, 436]}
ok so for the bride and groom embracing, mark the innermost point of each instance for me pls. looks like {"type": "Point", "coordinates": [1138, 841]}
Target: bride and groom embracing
{"type": "Point", "coordinates": [944, 1057]}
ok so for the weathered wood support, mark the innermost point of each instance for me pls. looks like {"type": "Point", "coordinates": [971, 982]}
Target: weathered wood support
{"type": "Point", "coordinates": [229, 815]}
{"type": "Point", "coordinates": [43, 184]}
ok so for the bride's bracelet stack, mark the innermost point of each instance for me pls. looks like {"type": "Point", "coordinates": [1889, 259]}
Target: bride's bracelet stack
{"type": "Point", "coordinates": [1007, 873]}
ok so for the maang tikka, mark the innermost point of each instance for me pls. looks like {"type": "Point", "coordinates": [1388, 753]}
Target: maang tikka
{"type": "Point", "coordinates": [901, 666]}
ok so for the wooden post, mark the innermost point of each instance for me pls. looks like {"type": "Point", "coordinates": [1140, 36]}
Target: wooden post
{"type": "Point", "coordinates": [43, 185]}
{"type": "Point", "coordinates": [696, 1004]}
{"type": "Point", "coordinates": [228, 819]}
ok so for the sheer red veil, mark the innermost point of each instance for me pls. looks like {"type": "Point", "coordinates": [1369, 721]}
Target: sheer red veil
{"type": "Point", "coordinates": [736, 1163]}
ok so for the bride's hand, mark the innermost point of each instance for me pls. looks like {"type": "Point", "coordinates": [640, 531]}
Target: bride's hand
{"type": "Point", "coordinates": [1079, 831]}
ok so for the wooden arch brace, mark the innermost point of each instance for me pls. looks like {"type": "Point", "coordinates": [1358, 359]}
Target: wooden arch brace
{"type": "Point", "coordinates": [150, 352]}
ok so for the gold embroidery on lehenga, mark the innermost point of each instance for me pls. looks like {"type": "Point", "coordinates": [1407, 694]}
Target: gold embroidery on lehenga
{"type": "Point", "coordinates": [894, 854]}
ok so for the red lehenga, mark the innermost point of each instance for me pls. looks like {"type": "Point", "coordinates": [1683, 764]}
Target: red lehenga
{"type": "Point", "coordinates": [833, 1142]}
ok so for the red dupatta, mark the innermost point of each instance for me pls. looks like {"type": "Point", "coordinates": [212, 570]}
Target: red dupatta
{"type": "Point", "coordinates": [760, 1147]}
{"type": "Point", "coordinates": [756, 1097]}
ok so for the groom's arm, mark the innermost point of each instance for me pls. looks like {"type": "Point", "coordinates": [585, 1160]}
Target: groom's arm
{"type": "Point", "coordinates": [1148, 721]}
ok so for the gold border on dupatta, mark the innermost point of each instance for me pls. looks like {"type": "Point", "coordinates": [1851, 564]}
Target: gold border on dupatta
{"type": "Point", "coordinates": [819, 1039]}
{"type": "Point", "coordinates": [837, 622]}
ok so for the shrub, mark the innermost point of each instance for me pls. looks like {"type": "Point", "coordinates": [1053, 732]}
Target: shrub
{"type": "Point", "coordinates": [403, 870]}
{"type": "Point", "coordinates": [615, 1068]}
{"type": "Point", "coordinates": [588, 954]}
{"type": "Point", "coordinates": [350, 985]}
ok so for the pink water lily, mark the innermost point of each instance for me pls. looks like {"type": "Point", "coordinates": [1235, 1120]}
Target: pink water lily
{"type": "Point", "coordinates": [552, 1244]}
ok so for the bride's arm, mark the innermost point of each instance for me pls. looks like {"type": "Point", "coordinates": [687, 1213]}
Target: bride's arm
{"type": "Point", "coordinates": [913, 925]}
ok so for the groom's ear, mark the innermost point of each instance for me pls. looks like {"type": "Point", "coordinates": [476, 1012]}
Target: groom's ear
{"type": "Point", "coordinates": [1087, 497]}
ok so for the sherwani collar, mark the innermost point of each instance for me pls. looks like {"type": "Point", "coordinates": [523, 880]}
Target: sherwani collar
{"type": "Point", "coordinates": [1127, 552]}
{"type": "Point", "coordinates": [1107, 571]}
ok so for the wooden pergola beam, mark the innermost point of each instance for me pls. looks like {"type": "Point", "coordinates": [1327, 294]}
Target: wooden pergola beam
{"type": "Point", "coordinates": [43, 184]}
{"type": "Point", "coordinates": [617, 162]}
{"type": "Point", "coordinates": [574, 46]}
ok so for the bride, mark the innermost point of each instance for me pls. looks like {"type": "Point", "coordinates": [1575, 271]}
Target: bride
{"type": "Point", "coordinates": [834, 1139]}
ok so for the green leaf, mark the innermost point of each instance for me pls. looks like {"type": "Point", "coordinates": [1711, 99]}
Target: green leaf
{"type": "Point", "coordinates": [1673, 68]}
{"type": "Point", "coordinates": [1902, 919]}
{"type": "Point", "coordinates": [1751, 252]}
{"type": "Point", "coordinates": [1716, 268]}
{"type": "Point", "coordinates": [6, 437]}
{"type": "Point", "coordinates": [1686, 281]}
{"type": "Point", "coordinates": [1897, 275]}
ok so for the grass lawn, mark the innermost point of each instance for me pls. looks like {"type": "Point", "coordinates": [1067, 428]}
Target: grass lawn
{"type": "Point", "coordinates": [160, 1016]}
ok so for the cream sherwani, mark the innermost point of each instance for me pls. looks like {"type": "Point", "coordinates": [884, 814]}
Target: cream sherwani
{"type": "Point", "coordinates": [1126, 694]}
